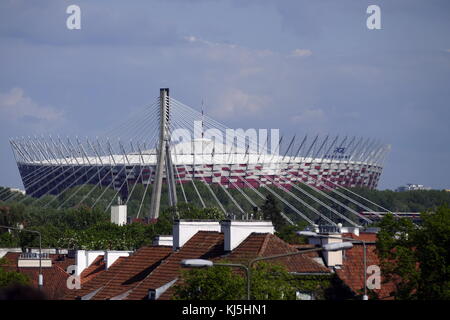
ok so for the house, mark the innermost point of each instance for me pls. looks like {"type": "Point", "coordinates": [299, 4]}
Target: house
{"type": "Point", "coordinates": [54, 268]}
{"type": "Point", "coordinates": [152, 272]}
{"type": "Point", "coordinates": [352, 270]}
{"type": "Point", "coordinates": [348, 265]}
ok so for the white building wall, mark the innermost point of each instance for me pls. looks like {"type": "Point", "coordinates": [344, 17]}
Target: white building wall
{"type": "Point", "coordinates": [332, 258]}
{"type": "Point", "coordinates": [183, 230]}
{"type": "Point", "coordinates": [119, 214]}
{"type": "Point", "coordinates": [111, 256]}
{"type": "Point", "coordinates": [236, 231]}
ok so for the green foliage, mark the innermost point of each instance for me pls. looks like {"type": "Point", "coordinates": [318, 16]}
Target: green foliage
{"type": "Point", "coordinates": [271, 282]}
{"type": "Point", "coordinates": [288, 233]}
{"type": "Point", "coordinates": [10, 278]}
{"type": "Point", "coordinates": [433, 253]}
{"type": "Point", "coordinates": [417, 258]}
{"type": "Point", "coordinates": [75, 198]}
{"type": "Point", "coordinates": [72, 224]}
{"type": "Point", "coordinates": [268, 282]}
{"type": "Point", "coordinates": [218, 283]}
{"type": "Point", "coordinates": [90, 229]}
{"type": "Point", "coordinates": [271, 211]}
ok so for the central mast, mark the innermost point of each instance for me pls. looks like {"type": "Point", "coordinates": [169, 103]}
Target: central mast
{"type": "Point", "coordinates": [163, 158]}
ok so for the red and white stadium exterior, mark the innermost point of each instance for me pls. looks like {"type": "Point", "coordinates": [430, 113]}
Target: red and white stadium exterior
{"type": "Point", "coordinates": [200, 160]}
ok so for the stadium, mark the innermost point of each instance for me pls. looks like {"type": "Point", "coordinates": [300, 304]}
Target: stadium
{"type": "Point", "coordinates": [236, 169]}
{"type": "Point", "coordinates": [149, 145]}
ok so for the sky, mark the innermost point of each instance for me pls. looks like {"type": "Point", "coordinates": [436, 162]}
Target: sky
{"type": "Point", "coordinates": [304, 66]}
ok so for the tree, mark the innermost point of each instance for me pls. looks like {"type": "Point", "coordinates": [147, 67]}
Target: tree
{"type": "Point", "coordinates": [268, 282]}
{"type": "Point", "coordinates": [271, 211]}
{"type": "Point", "coordinates": [288, 233]}
{"type": "Point", "coordinates": [217, 283]}
{"type": "Point", "coordinates": [417, 259]}
{"type": "Point", "coordinates": [432, 243]}
{"type": "Point", "coordinates": [11, 278]}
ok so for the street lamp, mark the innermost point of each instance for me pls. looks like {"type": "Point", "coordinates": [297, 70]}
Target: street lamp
{"type": "Point", "coordinates": [40, 276]}
{"type": "Point", "coordinates": [201, 263]}
{"type": "Point", "coordinates": [316, 235]}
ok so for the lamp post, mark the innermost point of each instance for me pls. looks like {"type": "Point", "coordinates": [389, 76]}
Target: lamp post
{"type": "Point", "coordinates": [316, 235]}
{"type": "Point", "coordinates": [202, 263]}
{"type": "Point", "coordinates": [40, 276]}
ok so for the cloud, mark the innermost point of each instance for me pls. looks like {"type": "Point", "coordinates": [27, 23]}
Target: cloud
{"type": "Point", "coordinates": [299, 53]}
{"type": "Point", "coordinates": [237, 102]}
{"type": "Point", "coordinates": [251, 71]}
{"type": "Point", "coordinates": [227, 52]}
{"type": "Point", "coordinates": [309, 115]}
{"type": "Point", "coordinates": [15, 105]}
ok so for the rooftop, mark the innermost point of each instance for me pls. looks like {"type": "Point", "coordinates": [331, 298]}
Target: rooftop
{"type": "Point", "coordinates": [157, 268]}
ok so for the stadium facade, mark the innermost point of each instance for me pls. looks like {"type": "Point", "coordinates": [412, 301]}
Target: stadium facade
{"type": "Point", "coordinates": [51, 166]}
{"type": "Point", "coordinates": [195, 160]}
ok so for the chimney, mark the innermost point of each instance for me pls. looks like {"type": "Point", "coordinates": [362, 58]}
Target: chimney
{"type": "Point", "coordinates": [85, 258]}
{"type": "Point", "coordinates": [81, 261]}
{"type": "Point", "coordinates": [119, 213]}
{"type": "Point", "coordinates": [111, 256]}
{"type": "Point", "coordinates": [332, 258]}
{"type": "Point", "coordinates": [236, 231]}
{"type": "Point", "coordinates": [163, 241]}
{"type": "Point", "coordinates": [183, 230]}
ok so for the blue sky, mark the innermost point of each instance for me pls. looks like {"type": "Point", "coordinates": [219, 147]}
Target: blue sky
{"type": "Point", "coordinates": [302, 66]}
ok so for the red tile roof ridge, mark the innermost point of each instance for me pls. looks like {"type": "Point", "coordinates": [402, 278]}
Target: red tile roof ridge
{"type": "Point", "coordinates": [263, 247]}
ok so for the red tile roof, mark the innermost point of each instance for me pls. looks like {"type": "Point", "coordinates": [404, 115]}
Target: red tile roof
{"type": "Point", "coordinates": [96, 267]}
{"type": "Point", "coordinates": [266, 244]}
{"type": "Point", "coordinates": [124, 274]}
{"type": "Point", "coordinates": [132, 277]}
{"type": "Point", "coordinates": [352, 270]}
{"type": "Point", "coordinates": [203, 245]}
{"type": "Point", "coordinates": [363, 236]}
{"type": "Point", "coordinates": [55, 277]}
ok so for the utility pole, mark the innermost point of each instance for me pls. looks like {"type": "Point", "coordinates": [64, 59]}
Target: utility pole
{"type": "Point", "coordinates": [163, 158]}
